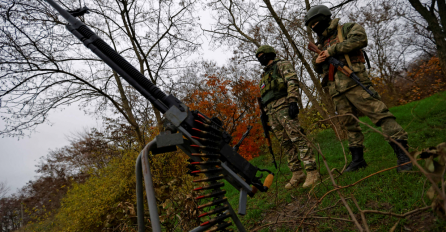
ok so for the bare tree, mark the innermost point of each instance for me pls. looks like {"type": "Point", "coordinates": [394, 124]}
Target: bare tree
{"type": "Point", "coordinates": [433, 12]}
{"type": "Point", "coordinates": [43, 67]}
{"type": "Point", "coordinates": [4, 189]}
{"type": "Point", "coordinates": [9, 219]}
{"type": "Point", "coordinates": [386, 42]}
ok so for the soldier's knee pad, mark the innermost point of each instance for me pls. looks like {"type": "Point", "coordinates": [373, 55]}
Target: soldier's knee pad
{"type": "Point", "coordinates": [386, 121]}
{"type": "Point", "coordinates": [287, 144]}
{"type": "Point", "coordinates": [390, 127]}
{"type": "Point", "coordinates": [353, 128]}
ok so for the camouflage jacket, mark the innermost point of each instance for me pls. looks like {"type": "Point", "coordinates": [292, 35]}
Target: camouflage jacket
{"type": "Point", "coordinates": [355, 38]}
{"type": "Point", "coordinates": [285, 70]}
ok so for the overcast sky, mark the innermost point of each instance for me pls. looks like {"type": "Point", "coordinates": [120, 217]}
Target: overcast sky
{"type": "Point", "coordinates": [19, 157]}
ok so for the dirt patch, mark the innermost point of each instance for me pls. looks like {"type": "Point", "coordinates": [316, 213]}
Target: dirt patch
{"type": "Point", "coordinates": [424, 221]}
{"type": "Point", "coordinates": [378, 205]}
{"type": "Point", "coordinates": [287, 216]}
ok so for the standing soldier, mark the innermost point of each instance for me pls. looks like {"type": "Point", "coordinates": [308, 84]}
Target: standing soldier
{"type": "Point", "coordinates": [279, 92]}
{"type": "Point", "coordinates": [344, 42]}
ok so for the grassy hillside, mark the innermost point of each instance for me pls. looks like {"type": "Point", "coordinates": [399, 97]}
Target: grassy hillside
{"type": "Point", "coordinates": [389, 191]}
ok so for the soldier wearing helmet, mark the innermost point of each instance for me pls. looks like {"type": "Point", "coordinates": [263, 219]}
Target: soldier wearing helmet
{"type": "Point", "coordinates": [345, 42]}
{"type": "Point", "coordinates": [280, 94]}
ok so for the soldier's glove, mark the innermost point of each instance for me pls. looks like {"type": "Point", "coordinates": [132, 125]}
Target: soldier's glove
{"type": "Point", "coordinates": [293, 110]}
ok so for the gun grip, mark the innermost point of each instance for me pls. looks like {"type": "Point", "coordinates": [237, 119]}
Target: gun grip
{"type": "Point", "coordinates": [268, 181]}
{"type": "Point", "coordinates": [254, 190]}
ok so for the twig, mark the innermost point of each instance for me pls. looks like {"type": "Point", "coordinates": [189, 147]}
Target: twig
{"type": "Point", "coordinates": [278, 173]}
{"type": "Point", "coordinates": [394, 226]}
{"type": "Point", "coordinates": [339, 193]}
{"type": "Point", "coordinates": [350, 185]}
{"type": "Point", "coordinates": [307, 202]}
{"type": "Point", "coordinates": [307, 223]}
{"type": "Point", "coordinates": [364, 220]}
{"type": "Point", "coordinates": [343, 149]}
{"type": "Point", "coordinates": [443, 187]}
{"type": "Point", "coordinates": [322, 181]}
{"type": "Point", "coordinates": [279, 222]}
{"type": "Point", "coordinates": [277, 219]}
{"type": "Point", "coordinates": [332, 218]}
{"type": "Point", "coordinates": [423, 192]}
{"type": "Point", "coordinates": [397, 215]}
{"type": "Point", "coordinates": [329, 207]}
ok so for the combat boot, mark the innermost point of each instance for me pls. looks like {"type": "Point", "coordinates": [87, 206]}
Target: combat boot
{"type": "Point", "coordinates": [357, 159]}
{"type": "Point", "coordinates": [312, 178]}
{"type": "Point", "coordinates": [402, 157]}
{"type": "Point", "coordinates": [298, 177]}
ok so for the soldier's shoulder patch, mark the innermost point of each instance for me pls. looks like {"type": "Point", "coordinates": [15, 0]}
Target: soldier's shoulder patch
{"type": "Point", "coordinates": [262, 86]}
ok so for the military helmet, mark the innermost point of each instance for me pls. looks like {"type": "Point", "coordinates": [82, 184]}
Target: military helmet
{"type": "Point", "coordinates": [265, 49]}
{"type": "Point", "coordinates": [315, 11]}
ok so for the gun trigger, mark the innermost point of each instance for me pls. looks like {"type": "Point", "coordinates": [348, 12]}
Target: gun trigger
{"type": "Point", "coordinates": [266, 170]}
{"type": "Point", "coordinates": [261, 176]}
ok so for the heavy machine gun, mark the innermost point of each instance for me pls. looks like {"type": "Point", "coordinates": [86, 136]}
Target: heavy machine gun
{"type": "Point", "coordinates": [202, 138]}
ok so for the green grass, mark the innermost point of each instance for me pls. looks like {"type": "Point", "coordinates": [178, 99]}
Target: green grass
{"type": "Point", "coordinates": [389, 191]}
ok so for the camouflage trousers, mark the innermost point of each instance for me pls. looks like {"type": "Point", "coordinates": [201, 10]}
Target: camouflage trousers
{"type": "Point", "coordinates": [292, 142]}
{"type": "Point", "coordinates": [357, 99]}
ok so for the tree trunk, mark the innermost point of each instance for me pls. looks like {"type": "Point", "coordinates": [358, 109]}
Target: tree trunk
{"type": "Point", "coordinates": [441, 50]}
{"type": "Point", "coordinates": [296, 50]}
{"type": "Point", "coordinates": [158, 119]}
{"type": "Point", "coordinates": [128, 110]}
{"type": "Point", "coordinates": [436, 26]}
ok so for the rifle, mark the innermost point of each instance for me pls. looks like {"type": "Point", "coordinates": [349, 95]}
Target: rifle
{"type": "Point", "coordinates": [196, 134]}
{"type": "Point", "coordinates": [266, 129]}
{"type": "Point", "coordinates": [343, 68]}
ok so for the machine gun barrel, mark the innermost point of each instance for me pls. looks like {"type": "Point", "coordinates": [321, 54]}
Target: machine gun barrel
{"type": "Point", "coordinates": [166, 104]}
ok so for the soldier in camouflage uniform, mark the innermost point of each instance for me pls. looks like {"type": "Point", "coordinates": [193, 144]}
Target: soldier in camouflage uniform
{"type": "Point", "coordinates": [348, 97]}
{"type": "Point", "coordinates": [279, 92]}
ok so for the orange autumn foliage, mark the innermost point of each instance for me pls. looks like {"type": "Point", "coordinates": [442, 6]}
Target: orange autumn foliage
{"type": "Point", "coordinates": [234, 103]}
{"type": "Point", "coordinates": [424, 81]}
